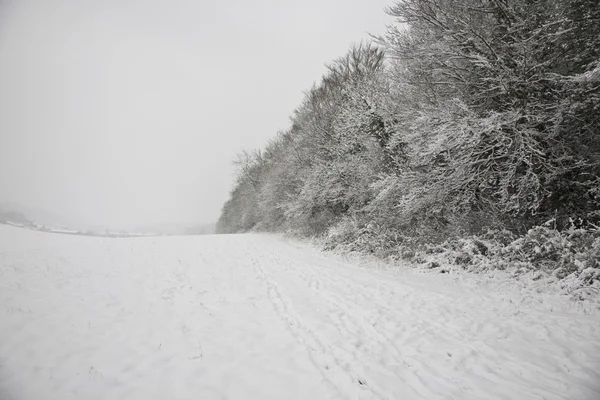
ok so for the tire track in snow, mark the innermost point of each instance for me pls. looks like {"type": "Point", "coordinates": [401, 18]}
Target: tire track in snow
{"type": "Point", "coordinates": [333, 363]}
{"type": "Point", "coordinates": [349, 323]}
{"type": "Point", "coordinates": [475, 365]}
{"type": "Point", "coordinates": [352, 323]}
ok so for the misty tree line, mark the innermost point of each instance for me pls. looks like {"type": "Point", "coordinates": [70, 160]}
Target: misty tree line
{"type": "Point", "coordinates": [467, 115]}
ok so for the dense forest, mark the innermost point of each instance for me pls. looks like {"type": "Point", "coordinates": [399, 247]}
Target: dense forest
{"type": "Point", "coordinates": [469, 119]}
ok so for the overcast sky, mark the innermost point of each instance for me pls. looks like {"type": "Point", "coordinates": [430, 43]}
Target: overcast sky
{"type": "Point", "coordinates": [122, 113]}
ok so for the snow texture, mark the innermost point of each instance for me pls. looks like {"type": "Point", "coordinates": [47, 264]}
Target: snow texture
{"type": "Point", "coordinates": [260, 317]}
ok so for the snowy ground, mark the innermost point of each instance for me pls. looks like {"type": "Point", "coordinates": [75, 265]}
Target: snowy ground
{"type": "Point", "coordinates": [257, 317]}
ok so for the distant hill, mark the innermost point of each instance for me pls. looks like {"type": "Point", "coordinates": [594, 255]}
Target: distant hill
{"type": "Point", "coordinates": [47, 218]}
{"type": "Point", "coordinates": [177, 229]}
{"type": "Point", "coordinates": [14, 217]}
{"type": "Point", "coordinates": [35, 218]}
{"type": "Point", "coordinates": [206, 229]}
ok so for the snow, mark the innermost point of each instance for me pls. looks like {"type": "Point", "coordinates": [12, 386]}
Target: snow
{"type": "Point", "coordinates": [261, 317]}
{"type": "Point", "coordinates": [63, 230]}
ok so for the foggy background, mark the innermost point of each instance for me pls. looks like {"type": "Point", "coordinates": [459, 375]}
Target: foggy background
{"type": "Point", "coordinates": [121, 114]}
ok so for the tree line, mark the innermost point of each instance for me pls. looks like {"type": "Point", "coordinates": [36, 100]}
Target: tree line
{"type": "Point", "coordinates": [466, 116]}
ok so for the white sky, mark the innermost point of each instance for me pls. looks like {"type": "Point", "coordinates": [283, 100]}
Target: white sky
{"type": "Point", "coordinates": [122, 113]}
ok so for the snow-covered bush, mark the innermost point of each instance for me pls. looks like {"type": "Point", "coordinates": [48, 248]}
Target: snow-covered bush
{"type": "Point", "coordinates": [349, 235]}
{"type": "Point", "coordinates": [573, 254]}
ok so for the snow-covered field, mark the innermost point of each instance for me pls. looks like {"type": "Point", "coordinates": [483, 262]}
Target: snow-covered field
{"type": "Point", "coordinates": [259, 317]}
